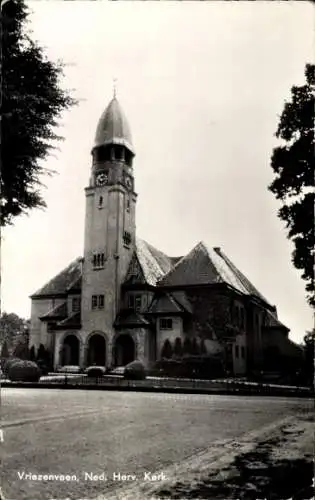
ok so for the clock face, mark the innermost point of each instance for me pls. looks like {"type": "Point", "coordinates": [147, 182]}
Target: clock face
{"type": "Point", "coordinates": [101, 179]}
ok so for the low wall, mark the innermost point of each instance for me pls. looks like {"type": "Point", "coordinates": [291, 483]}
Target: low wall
{"type": "Point", "coordinates": [165, 385]}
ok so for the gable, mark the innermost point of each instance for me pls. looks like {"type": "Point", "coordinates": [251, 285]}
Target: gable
{"type": "Point", "coordinates": [134, 274]}
{"type": "Point", "coordinates": [147, 265]}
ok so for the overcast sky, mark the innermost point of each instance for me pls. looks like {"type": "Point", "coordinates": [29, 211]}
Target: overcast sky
{"type": "Point", "coordinates": [202, 85]}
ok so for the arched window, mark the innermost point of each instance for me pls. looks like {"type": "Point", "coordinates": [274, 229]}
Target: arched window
{"type": "Point", "coordinates": [167, 350]}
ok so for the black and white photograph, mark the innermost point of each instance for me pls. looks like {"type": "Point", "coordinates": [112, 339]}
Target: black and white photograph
{"type": "Point", "coordinates": [157, 250]}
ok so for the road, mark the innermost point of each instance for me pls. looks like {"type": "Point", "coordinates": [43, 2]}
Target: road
{"type": "Point", "coordinates": [77, 432]}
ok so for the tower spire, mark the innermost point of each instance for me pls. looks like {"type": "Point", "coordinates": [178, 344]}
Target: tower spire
{"type": "Point", "coordinates": [114, 87]}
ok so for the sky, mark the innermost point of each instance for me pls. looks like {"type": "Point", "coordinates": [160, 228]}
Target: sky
{"type": "Point", "coordinates": [203, 85]}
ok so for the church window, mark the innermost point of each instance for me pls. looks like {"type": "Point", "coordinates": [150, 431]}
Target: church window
{"type": "Point", "coordinates": [166, 324]}
{"type": "Point", "coordinates": [76, 303]}
{"type": "Point", "coordinates": [118, 153]}
{"type": "Point", "coordinates": [98, 301]}
{"type": "Point", "coordinates": [138, 303]}
{"type": "Point", "coordinates": [127, 238]}
{"type": "Point", "coordinates": [135, 302]}
{"type": "Point", "coordinates": [94, 301]}
{"type": "Point", "coordinates": [98, 260]}
{"type": "Point", "coordinates": [100, 202]}
{"type": "Point", "coordinates": [101, 301]}
{"type": "Point", "coordinates": [128, 204]}
{"type": "Point", "coordinates": [128, 158]}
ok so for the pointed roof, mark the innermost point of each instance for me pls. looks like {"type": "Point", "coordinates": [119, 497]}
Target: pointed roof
{"type": "Point", "coordinates": [273, 322]}
{"type": "Point", "coordinates": [113, 127]}
{"type": "Point", "coordinates": [154, 263]}
{"type": "Point", "coordinates": [204, 265]}
{"type": "Point", "coordinates": [58, 312]}
{"type": "Point", "coordinates": [166, 303]}
{"type": "Point", "coordinates": [129, 318]}
{"type": "Point", "coordinates": [60, 283]}
{"type": "Point", "coordinates": [73, 321]}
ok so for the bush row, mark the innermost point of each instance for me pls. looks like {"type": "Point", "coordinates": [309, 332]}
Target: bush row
{"type": "Point", "coordinates": [204, 367]}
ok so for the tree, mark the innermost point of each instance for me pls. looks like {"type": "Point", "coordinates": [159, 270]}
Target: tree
{"type": "Point", "coordinates": [32, 103]}
{"type": "Point", "coordinates": [13, 330]}
{"type": "Point", "coordinates": [293, 164]}
{"type": "Point", "coordinates": [309, 352]}
{"type": "Point", "coordinates": [178, 347]}
{"type": "Point", "coordinates": [4, 350]}
{"type": "Point", "coordinates": [21, 351]}
{"type": "Point", "coordinates": [167, 350]}
{"type": "Point", "coordinates": [32, 355]}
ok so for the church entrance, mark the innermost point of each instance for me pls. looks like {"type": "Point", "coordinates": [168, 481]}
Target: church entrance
{"type": "Point", "coordinates": [70, 351]}
{"type": "Point", "coordinates": [124, 350]}
{"type": "Point", "coordinates": [96, 353]}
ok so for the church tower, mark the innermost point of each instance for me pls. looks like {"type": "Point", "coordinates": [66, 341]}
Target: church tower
{"type": "Point", "coordinates": [110, 228]}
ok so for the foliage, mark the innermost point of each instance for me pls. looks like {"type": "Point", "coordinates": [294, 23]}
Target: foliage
{"type": "Point", "coordinates": [32, 104]}
{"type": "Point", "coordinates": [96, 371]}
{"type": "Point", "coordinates": [294, 165]}
{"type": "Point", "coordinates": [167, 349]}
{"type": "Point", "coordinates": [309, 352]}
{"type": "Point", "coordinates": [44, 359]}
{"type": "Point", "coordinates": [24, 371]}
{"type": "Point", "coordinates": [8, 363]}
{"type": "Point", "coordinates": [13, 330]}
{"type": "Point", "coordinates": [135, 371]}
{"type": "Point", "coordinates": [202, 367]}
{"type": "Point", "coordinates": [21, 351]}
{"type": "Point", "coordinates": [178, 351]}
{"type": "Point", "coordinates": [4, 350]}
{"type": "Point", "coordinates": [32, 355]}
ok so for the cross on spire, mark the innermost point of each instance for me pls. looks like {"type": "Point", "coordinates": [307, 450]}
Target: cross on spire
{"type": "Point", "coordinates": [114, 87]}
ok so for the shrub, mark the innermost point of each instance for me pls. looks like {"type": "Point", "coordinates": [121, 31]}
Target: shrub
{"type": "Point", "coordinates": [96, 371]}
{"type": "Point", "coordinates": [8, 363]}
{"type": "Point", "coordinates": [135, 371]}
{"type": "Point", "coordinates": [191, 367]}
{"type": "Point", "coordinates": [24, 371]}
{"type": "Point", "coordinates": [44, 368]}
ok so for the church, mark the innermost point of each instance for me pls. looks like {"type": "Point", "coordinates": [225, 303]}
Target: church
{"type": "Point", "coordinates": [124, 299]}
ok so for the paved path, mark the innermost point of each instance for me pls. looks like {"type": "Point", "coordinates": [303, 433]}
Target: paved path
{"type": "Point", "coordinates": [84, 433]}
